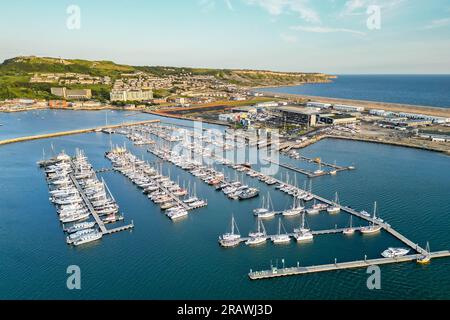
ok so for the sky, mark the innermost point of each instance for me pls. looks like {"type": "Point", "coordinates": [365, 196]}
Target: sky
{"type": "Point", "coordinates": [330, 36]}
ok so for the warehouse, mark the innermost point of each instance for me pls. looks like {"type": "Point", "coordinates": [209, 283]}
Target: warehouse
{"type": "Point", "coordinates": [335, 119]}
{"type": "Point", "coordinates": [298, 115]}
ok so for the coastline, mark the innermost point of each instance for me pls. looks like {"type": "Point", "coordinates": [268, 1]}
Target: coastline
{"type": "Point", "coordinates": [368, 140]}
{"type": "Point", "coordinates": [180, 117]}
{"type": "Point", "coordinates": [388, 106]}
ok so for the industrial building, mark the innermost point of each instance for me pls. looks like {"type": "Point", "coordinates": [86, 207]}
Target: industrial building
{"type": "Point", "coordinates": [297, 115]}
{"type": "Point", "coordinates": [337, 119]}
{"type": "Point", "coordinates": [319, 105]}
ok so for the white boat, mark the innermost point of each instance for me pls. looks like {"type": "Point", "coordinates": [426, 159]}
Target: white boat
{"type": "Point", "coordinates": [319, 171]}
{"type": "Point", "coordinates": [231, 239]}
{"type": "Point", "coordinates": [395, 252]}
{"type": "Point", "coordinates": [350, 230]}
{"type": "Point", "coordinates": [365, 213]}
{"type": "Point", "coordinates": [372, 228]}
{"type": "Point", "coordinates": [314, 209]}
{"type": "Point", "coordinates": [258, 237]}
{"type": "Point", "coordinates": [335, 208]}
{"type": "Point", "coordinates": [75, 217]}
{"type": "Point", "coordinates": [178, 214]}
{"type": "Point", "coordinates": [80, 226]}
{"type": "Point", "coordinates": [296, 209]}
{"type": "Point", "coordinates": [281, 238]}
{"type": "Point", "coordinates": [266, 212]}
{"type": "Point", "coordinates": [77, 235]}
{"type": "Point", "coordinates": [88, 238]}
{"type": "Point", "coordinates": [303, 234]}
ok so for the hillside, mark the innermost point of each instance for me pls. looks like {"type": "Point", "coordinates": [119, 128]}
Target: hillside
{"type": "Point", "coordinates": [15, 75]}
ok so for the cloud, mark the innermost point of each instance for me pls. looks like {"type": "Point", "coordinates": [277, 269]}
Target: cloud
{"type": "Point", "coordinates": [229, 5]}
{"type": "Point", "coordinates": [288, 38]}
{"type": "Point", "coordinates": [327, 30]}
{"type": "Point", "coordinates": [359, 7]}
{"type": "Point", "coordinates": [278, 7]}
{"type": "Point", "coordinates": [208, 5]}
{"type": "Point", "coordinates": [353, 7]}
{"type": "Point", "coordinates": [438, 23]}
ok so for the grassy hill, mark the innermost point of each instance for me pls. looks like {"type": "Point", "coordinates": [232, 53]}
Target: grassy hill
{"type": "Point", "coordinates": [15, 74]}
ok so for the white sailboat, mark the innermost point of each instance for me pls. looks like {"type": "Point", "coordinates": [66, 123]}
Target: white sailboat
{"type": "Point", "coordinates": [425, 258]}
{"type": "Point", "coordinates": [303, 234]}
{"type": "Point", "coordinates": [350, 230]}
{"type": "Point", "coordinates": [335, 208]}
{"type": "Point", "coordinates": [268, 212]}
{"type": "Point", "coordinates": [281, 238]}
{"type": "Point", "coordinates": [232, 238]}
{"type": "Point", "coordinates": [296, 209]}
{"type": "Point", "coordinates": [372, 228]}
{"type": "Point", "coordinates": [314, 209]}
{"type": "Point", "coordinates": [259, 237]}
{"type": "Point", "coordinates": [262, 209]}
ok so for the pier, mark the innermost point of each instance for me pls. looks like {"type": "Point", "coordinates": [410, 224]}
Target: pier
{"type": "Point", "coordinates": [314, 233]}
{"type": "Point", "coordinates": [175, 198]}
{"type": "Point", "coordinates": [284, 272]}
{"type": "Point", "coordinates": [383, 225]}
{"type": "Point", "coordinates": [73, 132]}
{"type": "Point", "coordinates": [87, 202]}
{"type": "Point", "coordinates": [307, 173]}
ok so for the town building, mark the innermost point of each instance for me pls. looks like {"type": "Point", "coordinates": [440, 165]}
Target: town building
{"type": "Point", "coordinates": [65, 93]}
{"type": "Point", "coordinates": [130, 95]}
{"type": "Point", "coordinates": [346, 108]}
{"type": "Point", "coordinates": [319, 105]}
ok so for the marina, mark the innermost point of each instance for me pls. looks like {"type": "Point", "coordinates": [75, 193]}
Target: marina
{"type": "Point", "coordinates": [332, 206]}
{"type": "Point", "coordinates": [279, 242]}
{"type": "Point", "coordinates": [78, 194]}
{"type": "Point", "coordinates": [160, 189]}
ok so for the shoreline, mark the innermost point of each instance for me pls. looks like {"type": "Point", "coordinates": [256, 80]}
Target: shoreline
{"type": "Point", "coordinates": [367, 140]}
{"type": "Point", "coordinates": [179, 117]}
{"type": "Point", "coordinates": [388, 106]}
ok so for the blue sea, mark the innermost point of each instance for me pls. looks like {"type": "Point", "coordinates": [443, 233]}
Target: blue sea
{"type": "Point", "coordinates": [164, 260]}
{"type": "Point", "coordinates": [422, 90]}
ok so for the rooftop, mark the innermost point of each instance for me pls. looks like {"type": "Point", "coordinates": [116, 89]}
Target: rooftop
{"type": "Point", "coordinates": [296, 109]}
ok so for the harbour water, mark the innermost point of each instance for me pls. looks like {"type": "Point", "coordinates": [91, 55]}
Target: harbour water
{"type": "Point", "coordinates": [160, 259]}
{"type": "Point", "coordinates": [20, 124]}
{"type": "Point", "coordinates": [422, 90]}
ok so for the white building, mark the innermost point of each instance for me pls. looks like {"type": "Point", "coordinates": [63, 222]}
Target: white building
{"type": "Point", "coordinates": [319, 105]}
{"type": "Point", "coordinates": [131, 95]}
{"type": "Point", "coordinates": [346, 108]}
{"type": "Point", "coordinates": [267, 104]}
